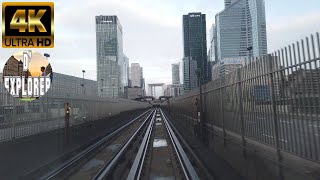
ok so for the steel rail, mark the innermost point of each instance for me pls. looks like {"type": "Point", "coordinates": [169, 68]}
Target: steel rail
{"type": "Point", "coordinates": [137, 165]}
{"type": "Point", "coordinates": [109, 166]}
{"type": "Point", "coordinates": [186, 165]}
{"type": "Point", "coordinates": [52, 174]}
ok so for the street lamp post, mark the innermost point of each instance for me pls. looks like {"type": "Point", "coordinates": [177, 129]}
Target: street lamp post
{"type": "Point", "coordinates": [83, 71]}
{"type": "Point", "coordinates": [112, 90]}
{"type": "Point", "coordinates": [47, 98]}
{"type": "Point", "coordinates": [101, 88]}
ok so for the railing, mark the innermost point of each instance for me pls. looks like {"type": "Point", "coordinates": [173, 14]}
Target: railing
{"type": "Point", "coordinates": [24, 118]}
{"type": "Point", "coordinates": [273, 100]}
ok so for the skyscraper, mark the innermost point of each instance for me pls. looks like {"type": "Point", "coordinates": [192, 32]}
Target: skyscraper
{"type": "Point", "coordinates": [109, 56]}
{"type": "Point", "coordinates": [241, 29]}
{"type": "Point", "coordinates": [176, 73]}
{"type": "Point", "coordinates": [195, 46]}
{"type": "Point", "coordinates": [136, 75]}
{"type": "Point", "coordinates": [190, 80]}
{"type": "Point", "coordinates": [125, 70]}
{"type": "Point", "coordinates": [258, 25]}
{"type": "Point", "coordinates": [212, 41]}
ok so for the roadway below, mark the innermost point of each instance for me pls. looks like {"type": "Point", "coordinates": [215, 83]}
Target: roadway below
{"type": "Point", "coordinates": [297, 135]}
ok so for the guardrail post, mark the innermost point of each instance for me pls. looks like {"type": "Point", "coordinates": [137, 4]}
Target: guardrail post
{"type": "Point", "coordinates": [241, 113]}
{"type": "Point", "coordinates": [271, 59]}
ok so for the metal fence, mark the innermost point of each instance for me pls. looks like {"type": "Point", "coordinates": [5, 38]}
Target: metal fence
{"type": "Point", "coordinates": [273, 100]}
{"type": "Point", "coordinates": [23, 118]}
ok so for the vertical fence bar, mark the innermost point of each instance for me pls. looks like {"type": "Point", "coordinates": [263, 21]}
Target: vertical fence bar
{"type": "Point", "coordinates": [298, 102]}
{"type": "Point", "coordinates": [222, 113]}
{"type": "Point", "coordinates": [267, 125]}
{"type": "Point", "coordinates": [241, 113]}
{"type": "Point", "coordinates": [293, 99]}
{"type": "Point", "coordinates": [263, 100]}
{"type": "Point", "coordinates": [263, 104]}
{"type": "Point", "coordinates": [212, 116]}
{"type": "Point", "coordinates": [316, 62]}
{"type": "Point", "coordinates": [275, 116]}
{"type": "Point", "coordinates": [250, 111]}
{"type": "Point", "coordinates": [307, 99]}
{"type": "Point", "coordinates": [246, 99]}
{"type": "Point", "coordinates": [281, 115]}
{"type": "Point", "coordinates": [255, 109]}
{"type": "Point", "coordinates": [59, 113]}
{"type": "Point", "coordinates": [288, 103]}
{"type": "Point", "coordinates": [260, 100]}
{"type": "Point", "coordinates": [302, 102]}
{"type": "Point", "coordinates": [313, 104]}
{"type": "Point", "coordinates": [14, 117]}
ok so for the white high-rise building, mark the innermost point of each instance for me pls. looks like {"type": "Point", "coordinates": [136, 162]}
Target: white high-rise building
{"type": "Point", "coordinates": [136, 75]}
{"type": "Point", "coordinates": [190, 80]}
{"type": "Point", "coordinates": [125, 70]}
{"type": "Point", "coordinates": [109, 56]}
{"type": "Point", "coordinates": [241, 29]}
{"type": "Point", "coordinates": [212, 41]}
{"type": "Point", "coordinates": [173, 90]}
{"type": "Point", "coordinates": [176, 73]}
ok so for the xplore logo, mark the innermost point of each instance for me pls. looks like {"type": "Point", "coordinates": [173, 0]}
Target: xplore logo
{"type": "Point", "coordinates": [27, 75]}
{"type": "Point", "coordinates": [27, 25]}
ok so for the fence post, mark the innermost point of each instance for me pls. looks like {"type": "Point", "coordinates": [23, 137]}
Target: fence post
{"type": "Point", "coordinates": [241, 113]}
{"type": "Point", "coordinates": [14, 112]}
{"type": "Point", "coordinates": [271, 59]}
{"type": "Point", "coordinates": [59, 112]}
{"type": "Point", "coordinates": [47, 112]}
{"type": "Point", "coordinates": [222, 113]}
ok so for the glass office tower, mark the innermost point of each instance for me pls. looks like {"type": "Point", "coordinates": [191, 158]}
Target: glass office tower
{"type": "Point", "coordinates": [241, 29]}
{"type": "Point", "coordinates": [258, 24]}
{"type": "Point", "coordinates": [195, 44]}
{"type": "Point", "coordinates": [109, 56]}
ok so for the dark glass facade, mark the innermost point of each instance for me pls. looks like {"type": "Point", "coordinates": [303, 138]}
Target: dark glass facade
{"type": "Point", "coordinates": [195, 41]}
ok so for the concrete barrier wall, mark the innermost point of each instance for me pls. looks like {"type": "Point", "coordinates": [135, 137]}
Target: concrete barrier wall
{"type": "Point", "coordinates": [24, 118]}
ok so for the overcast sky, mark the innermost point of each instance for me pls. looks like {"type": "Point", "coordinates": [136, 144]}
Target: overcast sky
{"type": "Point", "coordinates": [152, 31]}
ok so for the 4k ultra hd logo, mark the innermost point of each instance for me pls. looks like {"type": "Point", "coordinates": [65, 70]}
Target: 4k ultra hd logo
{"type": "Point", "coordinates": [27, 25]}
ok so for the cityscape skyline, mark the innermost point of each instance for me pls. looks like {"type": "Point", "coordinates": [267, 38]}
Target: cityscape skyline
{"type": "Point", "coordinates": [157, 69]}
